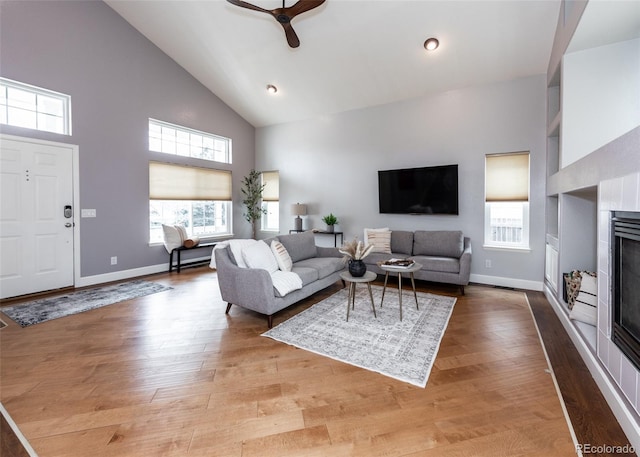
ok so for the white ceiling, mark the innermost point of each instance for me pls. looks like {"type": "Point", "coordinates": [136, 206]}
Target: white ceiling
{"type": "Point", "coordinates": [353, 53]}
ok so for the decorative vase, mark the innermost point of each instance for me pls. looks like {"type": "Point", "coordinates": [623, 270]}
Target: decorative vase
{"type": "Point", "coordinates": [357, 268]}
{"type": "Point", "coordinates": [329, 228]}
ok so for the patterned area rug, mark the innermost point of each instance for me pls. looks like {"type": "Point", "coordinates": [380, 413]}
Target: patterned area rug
{"type": "Point", "coordinates": [46, 309]}
{"type": "Point", "coordinates": [402, 350]}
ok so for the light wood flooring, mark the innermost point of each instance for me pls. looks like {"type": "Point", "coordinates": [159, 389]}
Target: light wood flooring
{"type": "Point", "coordinates": [170, 374]}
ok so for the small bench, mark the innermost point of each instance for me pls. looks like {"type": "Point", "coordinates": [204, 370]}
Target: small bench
{"type": "Point", "coordinates": [179, 250]}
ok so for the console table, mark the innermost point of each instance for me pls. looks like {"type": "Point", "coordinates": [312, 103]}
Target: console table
{"type": "Point", "coordinates": [324, 232]}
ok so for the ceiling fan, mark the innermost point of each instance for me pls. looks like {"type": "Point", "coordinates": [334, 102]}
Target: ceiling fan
{"type": "Point", "coordinates": [284, 15]}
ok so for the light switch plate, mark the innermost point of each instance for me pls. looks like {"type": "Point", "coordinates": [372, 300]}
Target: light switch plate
{"type": "Point", "coordinates": [88, 213]}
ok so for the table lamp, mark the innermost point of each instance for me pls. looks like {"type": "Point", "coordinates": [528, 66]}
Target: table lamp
{"type": "Point", "coordinates": [298, 210]}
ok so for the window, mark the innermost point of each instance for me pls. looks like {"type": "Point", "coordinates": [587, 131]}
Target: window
{"type": "Point", "coordinates": [198, 198]}
{"type": "Point", "coordinates": [22, 105]}
{"type": "Point", "coordinates": [270, 201]}
{"type": "Point", "coordinates": [507, 200]}
{"type": "Point", "coordinates": [182, 141]}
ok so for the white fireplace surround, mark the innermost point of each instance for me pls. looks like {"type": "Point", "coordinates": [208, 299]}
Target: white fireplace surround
{"type": "Point", "coordinates": [620, 194]}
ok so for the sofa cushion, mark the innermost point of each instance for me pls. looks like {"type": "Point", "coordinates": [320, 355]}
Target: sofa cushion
{"type": "Point", "coordinates": [300, 246]}
{"type": "Point", "coordinates": [282, 256]}
{"type": "Point", "coordinates": [442, 264]}
{"type": "Point", "coordinates": [307, 274]}
{"type": "Point", "coordinates": [259, 255]}
{"type": "Point", "coordinates": [375, 257]}
{"type": "Point", "coordinates": [401, 242]}
{"type": "Point", "coordinates": [379, 238]}
{"type": "Point", "coordinates": [446, 243]}
{"type": "Point", "coordinates": [323, 265]}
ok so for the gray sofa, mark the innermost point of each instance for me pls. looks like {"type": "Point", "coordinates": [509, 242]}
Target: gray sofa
{"type": "Point", "coordinates": [251, 288]}
{"type": "Point", "coordinates": [445, 256]}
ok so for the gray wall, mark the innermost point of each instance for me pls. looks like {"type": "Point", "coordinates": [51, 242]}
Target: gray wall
{"type": "Point", "coordinates": [117, 79]}
{"type": "Point", "coordinates": [331, 163]}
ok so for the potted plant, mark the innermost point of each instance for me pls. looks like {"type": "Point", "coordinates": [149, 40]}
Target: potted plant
{"type": "Point", "coordinates": [354, 251]}
{"type": "Point", "coordinates": [252, 188]}
{"type": "Point", "coordinates": [330, 220]}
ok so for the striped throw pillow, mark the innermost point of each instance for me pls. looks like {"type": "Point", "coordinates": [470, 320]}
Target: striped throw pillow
{"type": "Point", "coordinates": [282, 256]}
{"type": "Point", "coordinates": [380, 239]}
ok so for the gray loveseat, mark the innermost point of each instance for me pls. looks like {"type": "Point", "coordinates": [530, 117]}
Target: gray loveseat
{"type": "Point", "coordinates": [252, 288]}
{"type": "Point", "coordinates": [445, 255]}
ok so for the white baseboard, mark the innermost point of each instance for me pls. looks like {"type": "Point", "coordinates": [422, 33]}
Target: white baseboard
{"type": "Point", "coordinates": [127, 274]}
{"type": "Point", "coordinates": [623, 412]}
{"type": "Point", "coordinates": [23, 441]}
{"type": "Point", "coordinates": [507, 282]}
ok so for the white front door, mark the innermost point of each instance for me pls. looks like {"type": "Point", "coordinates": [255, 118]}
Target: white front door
{"type": "Point", "coordinates": [36, 234]}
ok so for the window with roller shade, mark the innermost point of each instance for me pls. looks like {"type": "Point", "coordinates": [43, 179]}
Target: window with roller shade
{"type": "Point", "coordinates": [507, 200]}
{"type": "Point", "coordinates": [197, 198]}
{"type": "Point", "coordinates": [270, 221]}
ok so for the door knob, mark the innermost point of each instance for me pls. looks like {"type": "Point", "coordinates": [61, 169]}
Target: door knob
{"type": "Point", "coordinates": [68, 224]}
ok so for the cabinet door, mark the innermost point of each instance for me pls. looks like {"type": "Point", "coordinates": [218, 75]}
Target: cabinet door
{"type": "Point", "coordinates": [551, 267]}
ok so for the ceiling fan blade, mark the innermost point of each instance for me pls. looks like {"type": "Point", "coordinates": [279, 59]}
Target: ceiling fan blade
{"type": "Point", "coordinates": [292, 37]}
{"type": "Point", "coordinates": [242, 4]}
{"type": "Point", "coordinates": [302, 6]}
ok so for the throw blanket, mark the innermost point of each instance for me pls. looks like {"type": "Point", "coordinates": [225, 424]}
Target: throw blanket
{"type": "Point", "coordinates": [285, 282]}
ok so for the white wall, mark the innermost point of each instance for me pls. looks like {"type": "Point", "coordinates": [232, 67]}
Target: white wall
{"type": "Point", "coordinates": [600, 97]}
{"type": "Point", "coordinates": [331, 163]}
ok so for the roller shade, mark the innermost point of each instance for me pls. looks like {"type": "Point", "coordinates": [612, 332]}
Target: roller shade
{"type": "Point", "coordinates": [179, 182]}
{"type": "Point", "coordinates": [271, 181]}
{"type": "Point", "coordinates": [507, 177]}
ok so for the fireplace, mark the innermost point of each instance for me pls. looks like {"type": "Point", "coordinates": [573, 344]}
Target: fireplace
{"type": "Point", "coordinates": [625, 256]}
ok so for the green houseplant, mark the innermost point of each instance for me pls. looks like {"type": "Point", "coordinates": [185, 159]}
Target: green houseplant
{"type": "Point", "coordinates": [252, 188]}
{"type": "Point", "coordinates": [330, 220]}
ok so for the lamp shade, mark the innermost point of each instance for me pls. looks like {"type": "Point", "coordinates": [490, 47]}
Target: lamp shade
{"type": "Point", "coordinates": [298, 209]}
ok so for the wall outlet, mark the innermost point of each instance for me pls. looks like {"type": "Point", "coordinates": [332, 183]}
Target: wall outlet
{"type": "Point", "coordinates": [114, 260]}
{"type": "Point", "coordinates": [487, 263]}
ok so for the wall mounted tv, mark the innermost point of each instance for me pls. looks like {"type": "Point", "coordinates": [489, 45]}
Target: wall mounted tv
{"type": "Point", "coordinates": [426, 190]}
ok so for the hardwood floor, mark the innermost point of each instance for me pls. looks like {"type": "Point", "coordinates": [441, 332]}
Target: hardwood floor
{"type": "Point", "coordinates": [170, 374]}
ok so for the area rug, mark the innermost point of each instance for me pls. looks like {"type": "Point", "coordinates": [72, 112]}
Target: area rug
{"type": "Point", "coordinates": [46, 309]}
{"type": "Point", "coordinates": [403, 350]}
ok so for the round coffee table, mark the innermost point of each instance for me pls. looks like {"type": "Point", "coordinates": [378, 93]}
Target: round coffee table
{"type": "Point", "coordinates": [353, 280]}
{"type": "Point", "coordinates": [394, 269]}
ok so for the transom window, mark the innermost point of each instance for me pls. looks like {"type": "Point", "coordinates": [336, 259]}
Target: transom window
{"type": "Point", "coordinates": [23, 105]}
{"type": "Point", "coordinates": [186, 142]}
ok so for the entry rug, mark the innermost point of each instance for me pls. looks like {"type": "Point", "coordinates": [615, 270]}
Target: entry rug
{"type": "Point", "coordinates": [401, 350]}
{"type": "Point", "coordinates": [46, 309]}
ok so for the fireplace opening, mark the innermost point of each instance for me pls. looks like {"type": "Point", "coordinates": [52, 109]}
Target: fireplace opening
{"type": "Point", "coordinates": [625, 263]}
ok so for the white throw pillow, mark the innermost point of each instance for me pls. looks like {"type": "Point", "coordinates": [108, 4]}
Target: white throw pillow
{"type": "Point", "coordinates": [182, 232]}
{"type": "Point", "coordinates": [236, 249]}
{"type": "Point", "coordinates": [172, 238]}
{"type": "Point", "coordinates": [282, 256]}
{"type": "Point", "coordinates": [585, 308]}
{"type": "Point", "coordinates": [379, 238]}
{"type": "Point", "coordinates": [259, 255]}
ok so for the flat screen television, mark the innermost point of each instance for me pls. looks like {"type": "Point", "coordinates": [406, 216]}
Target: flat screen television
{"type": "Point", "coordinates": [426, 190]}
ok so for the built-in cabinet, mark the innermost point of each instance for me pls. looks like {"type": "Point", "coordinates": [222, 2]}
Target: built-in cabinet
{"type": "Point", "coordinates": [585, 180]}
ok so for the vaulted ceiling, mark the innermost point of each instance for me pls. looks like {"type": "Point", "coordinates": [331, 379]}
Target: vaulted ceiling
{"type": "Point", "coordinates": [353, 53]}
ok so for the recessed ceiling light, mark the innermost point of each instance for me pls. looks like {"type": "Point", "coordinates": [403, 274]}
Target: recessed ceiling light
{"type": "Point", "coordinates": [272, 89]}
{"type": "Point", "coordinates": [431, 44]}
